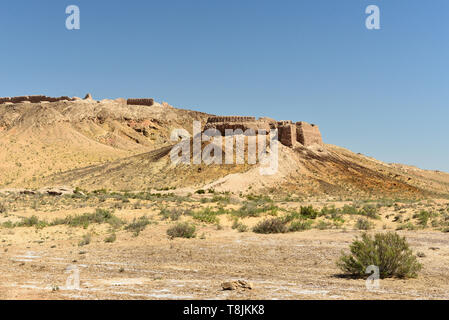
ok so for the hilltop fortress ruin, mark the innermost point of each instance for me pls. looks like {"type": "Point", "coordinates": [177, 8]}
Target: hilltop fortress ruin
{"type": "Point", "coordinates": [41, 98]}
{"type": "Point", "coordinates": [289, 133]}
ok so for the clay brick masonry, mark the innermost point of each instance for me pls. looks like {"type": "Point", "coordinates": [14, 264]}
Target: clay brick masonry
{"type": "Point", "coordinates": [289, 133]}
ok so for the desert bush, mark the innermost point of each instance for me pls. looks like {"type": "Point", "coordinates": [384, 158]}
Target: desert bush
{"type": "Point", "coordinates": [172, 214]}
{"type": "Point", "coordinates": [240, 227]}
{"type": "Point", "coordinates": [323, 225]}
{"type": "Point", "coordinates": [406, 226]}
{"type": "Point", "coordinates": [138, 225]}
{"type": "Point", "coordinates": [309, 212]}
{"type": "Point", "coordinates": [111, 238]}
{"type": "Point", "coordinates": [3, 208]}
{"type": "Point", "coordinates": [206, 215]}
{"type": "Point", "coordinates": [349, 210]}
{"type": "Point", "coordinates": [248, 210]}
{"type": "Point", "coordinates": [291, 216]}
{"type": "Point", "coordinates": [300, 225]}
{"type": "Point", "coordinates": [182, 230]}
{"type": "Point", "coordinates": [423, 217]}
{"type": "Point", "coordinates": [99, 216]}
{"type": "Point", "coordinates": [274, 225]}
{"type": "Point", "coordinates": [363, 224]}
{"type": "Point", "coordinates": [370, 211]}
{"type": "Point", "coordinates": [32, 221]}
{"type": "Point", "coordinates": [87, 238]}
{"type": "Point", "coordinates": [388, 251]}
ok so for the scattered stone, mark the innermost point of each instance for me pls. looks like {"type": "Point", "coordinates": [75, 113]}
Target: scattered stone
{"type": "Point", "coordinates": [229, 285]}
{"type": "Point", "coordinates": [234, 285]}
{"type": "Point", "coordinates": [58, 191]}
{"type": "Point", "coordinates": [421, 254]}
{"type": "Point", "coordinates": [88, 97]}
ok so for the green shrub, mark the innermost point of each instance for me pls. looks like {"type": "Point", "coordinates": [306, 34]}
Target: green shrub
{"type": "Point", "coordinates": [206, 215]}
{"type": "Point", "coordinates": [172, 214]}
{"type": "Point", "coordinates": [423, 218]}
{"type": "Point", "coordinates": [406, 226]}
{"type": "Point", "coordinates": [99, 216]}
{"type": "Point", "coordinates": [370, 211]}
{"type": "Point", "coordinates": [138, 225]}
{"type": "Point", "coordinates": [300, 225]}
{"type": "Point", "coordinates": [274, 225]}
{"type": "Point", "coordinates": [292, 216]}
{"type": "Point", "coordinates": [182, 230]}
{"type": "Point", "coordinates": [323, 225]}
{"type": "Point", "coordinates": [240, 227]}
{"type": "Point", "coordinates": [363, 224]}
{"type": "Point", "coordinates": [309, 212]}
{"type": "Point", "coordinates": [388, 251]}
{"type": "Point", "coordinates": [32, 221]}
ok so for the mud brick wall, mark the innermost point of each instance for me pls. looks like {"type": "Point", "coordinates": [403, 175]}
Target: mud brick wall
{"type": "Point", "coordinates": [287, 134]}
{"type": "Point", "coordinates": [33, 99]}
{"type": "Point", "coordinates": [140, 102]}
{"type": "Point", "coordinates": [222, 126]}
{"type": "Point", "coordinates": [308, 134]}
{"type": "Point", "coordinates": [230, 119]}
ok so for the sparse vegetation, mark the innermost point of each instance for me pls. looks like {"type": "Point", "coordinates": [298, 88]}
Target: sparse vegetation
{"type": "Point", "coordinates": [99, 216]}
{"type": "Point", "coordinates": [138, 225]}
{"type": "Point", "coordinates": [389, 251]}
{"type": "Point", "coordinates": [87, 238]}
{"type": "Point", "coordinates": [171, 214]}
{"type": "Point", "coordinates": [364, 224]}
{"type": "Point", "coordinates": [274, 225]}
{"type": "Point", "coordinates": [240, 227]}
{"type": "Point", "coordinates": [300, 225]}
{"type": "Point", "coordinates": [206, 215]}
{"type": "Point", "coordinates": [111, 238]}
{"type": "Point", "coordinates": [182, 230]}
{"type": "Point", "coordinates": [3, 208]}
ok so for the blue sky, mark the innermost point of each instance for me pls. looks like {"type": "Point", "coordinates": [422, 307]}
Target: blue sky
{"type": "Point", "coordinates": [384, 93]}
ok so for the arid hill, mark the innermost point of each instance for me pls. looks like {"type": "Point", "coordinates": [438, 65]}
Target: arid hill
{"type": "Point", "coordinates": [114, 145]}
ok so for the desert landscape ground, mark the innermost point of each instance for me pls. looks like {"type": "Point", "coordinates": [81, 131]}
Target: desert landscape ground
{"type": "Point", "coordinates": [89, 185]}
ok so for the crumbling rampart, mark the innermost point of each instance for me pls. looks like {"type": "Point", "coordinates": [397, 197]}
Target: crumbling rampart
{"type": "Point", "coordinates": [289, 133]}
{"type": "Point", "coordinates": [140, 102]}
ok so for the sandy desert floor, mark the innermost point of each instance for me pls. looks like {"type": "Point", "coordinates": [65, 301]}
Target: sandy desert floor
{"type": "Point", "coordinates": [35, 261]}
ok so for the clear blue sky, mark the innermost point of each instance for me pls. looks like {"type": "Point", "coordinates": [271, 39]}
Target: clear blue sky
{"type": "Point", "coordinates": [383, 93]}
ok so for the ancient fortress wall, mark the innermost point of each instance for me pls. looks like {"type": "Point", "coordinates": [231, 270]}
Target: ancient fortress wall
{"type": "Point", "coordinates": [286, 133]}
{"type": "Point", "coordinates": [235, 123]}
{"type": "Point", "coordinates": [289, 133]}
{"type": "Point", "coordinates": [140, 102]}
{"type": "Point", "coordinates": [308, 134]}
{"type": "Point", "coordinates": [33, 99]}
{"type": "Point", "coordinates": [230, 119]}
